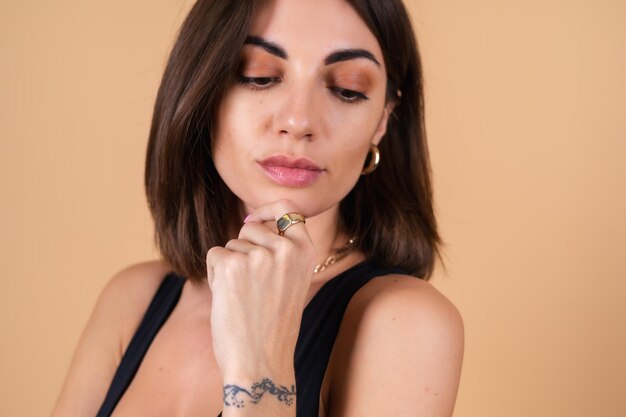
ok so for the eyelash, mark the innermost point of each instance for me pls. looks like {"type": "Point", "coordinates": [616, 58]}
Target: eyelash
{"type": "Point", "coordinates": [252, 82]}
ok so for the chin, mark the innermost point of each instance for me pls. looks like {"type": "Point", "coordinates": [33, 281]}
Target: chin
{"type": "Point", "coordinates": [308, 203]}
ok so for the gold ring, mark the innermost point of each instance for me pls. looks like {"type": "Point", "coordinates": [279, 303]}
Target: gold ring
{"type": "Point", "coordinates": [286, 220]}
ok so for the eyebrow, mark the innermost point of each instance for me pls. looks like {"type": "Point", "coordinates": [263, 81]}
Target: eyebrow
{"type": "Point", "coordinates": [270, 47]}
{"type": "Point", "coordinates": [348, 54]}
{"type": "Point", "coordinates": [334, 57]}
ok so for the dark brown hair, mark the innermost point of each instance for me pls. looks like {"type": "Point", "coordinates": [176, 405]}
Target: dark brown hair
{"type": "Point", "coordinates": [390, 210]}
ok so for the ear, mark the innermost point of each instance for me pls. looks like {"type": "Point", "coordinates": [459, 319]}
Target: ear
{"type": "Point", "coordinates": [382, 125]}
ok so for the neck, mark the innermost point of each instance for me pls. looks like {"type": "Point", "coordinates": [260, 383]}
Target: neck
{"type": "Point", "coordinates": [327, 233]}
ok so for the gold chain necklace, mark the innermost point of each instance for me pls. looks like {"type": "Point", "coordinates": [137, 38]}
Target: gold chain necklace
{"type": "Point", "coordinates": [338, 255]}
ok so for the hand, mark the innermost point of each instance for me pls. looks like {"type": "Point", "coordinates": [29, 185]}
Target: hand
{"type": "Point", "coordinates": [259, 283]}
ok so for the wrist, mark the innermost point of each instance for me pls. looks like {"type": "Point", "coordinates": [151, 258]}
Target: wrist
{"type": "Point", "coordinates": [241, 390]}
{"type": "Point", "coordinates": [257, 369]}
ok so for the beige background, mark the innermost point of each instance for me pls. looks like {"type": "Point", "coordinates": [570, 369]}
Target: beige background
{"type": "Point", "coordinates": [525, 110]}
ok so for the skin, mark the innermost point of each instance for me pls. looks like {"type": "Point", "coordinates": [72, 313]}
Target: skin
{"type": "Point", "coordinates": [400, 344]}
{"type": "Point", "coordinates": [299, 114]}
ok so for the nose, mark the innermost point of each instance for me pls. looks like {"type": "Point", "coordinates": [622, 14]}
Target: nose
{"type": "Point", "coordinates": [295, 115]}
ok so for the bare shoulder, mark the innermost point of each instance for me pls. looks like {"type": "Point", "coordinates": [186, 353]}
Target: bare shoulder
{"type": "Point", "coordinates": [405, 301]}
{"type": "Point", "coordinates": [137, 277]}
{"type": "Point", "coordinates": [411, 299]}
{"type": "Point", "coordinates": [128, 293]}
{"type": "Point", "coordinates": [399, 351]}
{"type": "Point", "coordinates": [114, 319]}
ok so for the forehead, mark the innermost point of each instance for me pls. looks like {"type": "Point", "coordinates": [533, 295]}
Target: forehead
{"type": "Point", "coordinates": [314, 27]}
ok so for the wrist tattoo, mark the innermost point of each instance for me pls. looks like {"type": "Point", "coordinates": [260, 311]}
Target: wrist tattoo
{"type": "Point", "coordinates": [232, 397]}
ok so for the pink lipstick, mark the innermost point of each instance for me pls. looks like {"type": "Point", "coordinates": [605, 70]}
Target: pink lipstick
{"type": "Point", "coordinates": [291, 172]}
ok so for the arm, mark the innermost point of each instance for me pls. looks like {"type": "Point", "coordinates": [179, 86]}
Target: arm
{"type": "Point", "coordinates": [259, 283]}
{"type": "Point", "coordinates": [116, 314]}
{"type": "Point", "coordinates": [403, 352]}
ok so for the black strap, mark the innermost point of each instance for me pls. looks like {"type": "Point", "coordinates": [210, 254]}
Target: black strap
{"type": "Point", "coordinates": [159, 310]}
{"type": "Point", "coordinates": [321, 320]}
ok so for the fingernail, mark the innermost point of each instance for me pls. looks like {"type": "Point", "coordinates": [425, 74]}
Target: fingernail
{"type": "Point", "coordinates": [247, 217]}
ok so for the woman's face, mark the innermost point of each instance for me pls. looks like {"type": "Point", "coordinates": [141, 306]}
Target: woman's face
{"type": "Point", "coordinates": [309, 102]}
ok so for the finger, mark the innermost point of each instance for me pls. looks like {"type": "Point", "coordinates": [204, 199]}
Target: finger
{"type": "Point", "coordinates": [265, 235]}
{"type": "Point", "coordinates": [240, 245]}
{"type": "Point", "coordinates": [213, 256]}
{"type": "Point", "coordinates": [275, 210]}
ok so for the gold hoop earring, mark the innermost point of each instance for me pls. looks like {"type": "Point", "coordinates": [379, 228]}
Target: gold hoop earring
{"type": "Point", "coordinates": [373, 158]}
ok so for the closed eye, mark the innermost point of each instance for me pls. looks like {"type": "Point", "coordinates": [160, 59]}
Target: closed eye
{"type": "Point", "coordinates": [349, 96]}
{"type": "Point", "coordinates": [258, 83]}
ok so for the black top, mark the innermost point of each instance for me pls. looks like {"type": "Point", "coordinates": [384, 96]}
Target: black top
{"type": "Point", "coordinates": [318, 329]}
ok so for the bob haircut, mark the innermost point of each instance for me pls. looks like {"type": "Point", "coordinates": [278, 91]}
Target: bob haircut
{"type": "Point", "coordinates": [390, 210]}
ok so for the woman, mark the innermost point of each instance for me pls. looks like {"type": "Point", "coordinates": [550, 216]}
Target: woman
{"type": "Point", "coordinates": [288, 176]}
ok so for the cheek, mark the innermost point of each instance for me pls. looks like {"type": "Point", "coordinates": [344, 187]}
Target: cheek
{"type": "Point", "coordinates": [352, 141]}
{"type": "Point", "coordinates": [240, 118]}
{"type": "Point", "coordinates": [355, 124]}
{"type": "Point", "coordinates": [234, 144]}
{"type": "Point", "coordinates": [233, 130]}
{"type": "Point", "coordinates": [349, 149]}
{"type": "Point", "coordinates": [225, 146]}
{"type": "Point", "coordinates": [347, 157]}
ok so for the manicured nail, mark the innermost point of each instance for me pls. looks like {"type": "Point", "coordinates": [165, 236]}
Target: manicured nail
{"type": "Point", "coordinates": [247, 217]}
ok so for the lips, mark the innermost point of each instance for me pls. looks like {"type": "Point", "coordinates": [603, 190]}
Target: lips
{"type": "Point", "coordinates": [284, 161]}
{"type": "Point", "coordinates": [291, 172]}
